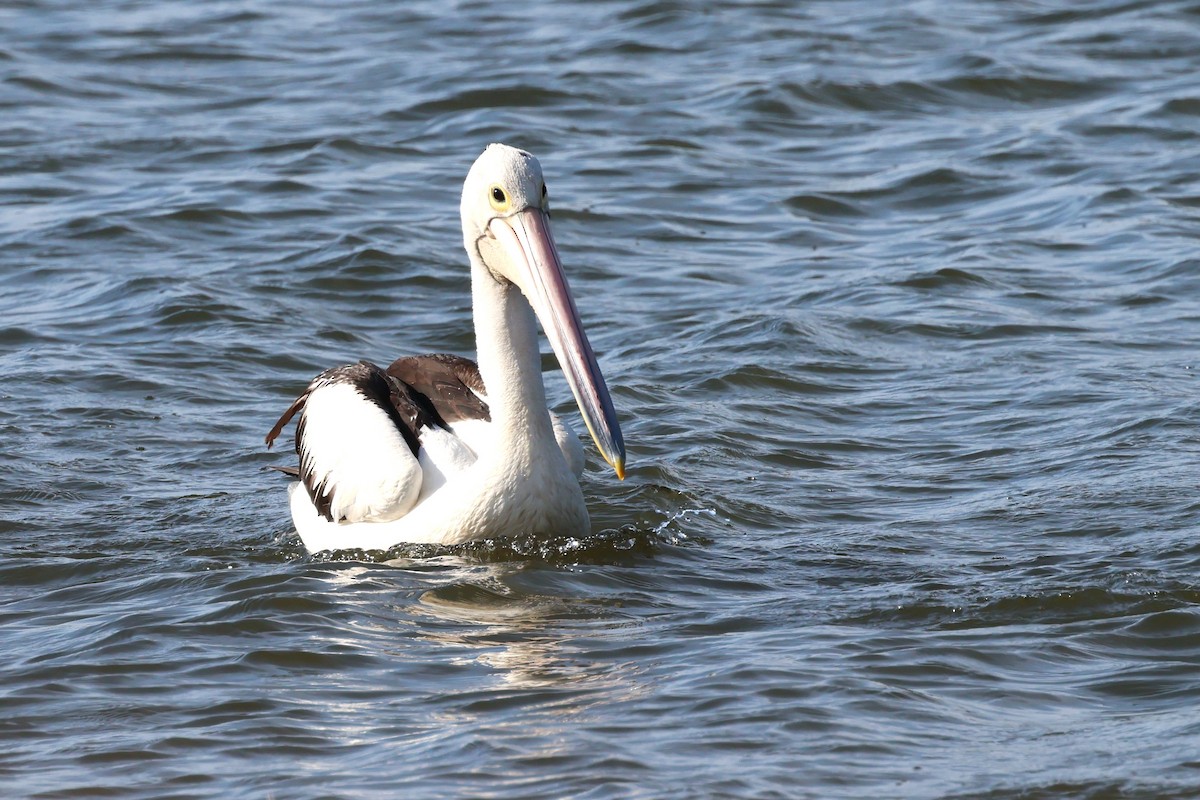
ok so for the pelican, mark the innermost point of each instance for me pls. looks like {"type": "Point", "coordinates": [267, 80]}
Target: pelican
{"type": "Point", "coordinates": [439, 449]}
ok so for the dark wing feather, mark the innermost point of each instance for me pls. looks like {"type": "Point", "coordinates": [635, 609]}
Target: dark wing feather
{"type": "Point", "coordinates": [407, 410]}
{"type": "Point", "coordinates": [450, 385]}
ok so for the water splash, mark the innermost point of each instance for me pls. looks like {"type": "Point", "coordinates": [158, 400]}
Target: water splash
{"type": "Point", "coordinates": [642, 539]}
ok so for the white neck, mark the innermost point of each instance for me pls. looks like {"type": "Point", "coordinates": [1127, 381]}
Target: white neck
{"type": "Point", "coordinates": [511, 365]}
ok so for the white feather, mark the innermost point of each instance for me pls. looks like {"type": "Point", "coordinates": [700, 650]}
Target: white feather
{"type": "Point", "coordinates": [568, 442]}
{"type": "Point", "coordinates": [356, 450]}
{"type": "Point", "coordinates": [477, 434]}
{"type": "Point", "coordinates": [443, 456]}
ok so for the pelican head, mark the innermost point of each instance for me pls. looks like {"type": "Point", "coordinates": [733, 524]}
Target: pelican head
{"type": "Point", "coordinates": [506, 227]}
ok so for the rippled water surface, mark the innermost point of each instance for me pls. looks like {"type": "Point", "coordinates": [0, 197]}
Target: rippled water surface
{"type": "Point", "coordinates": [899, 304]}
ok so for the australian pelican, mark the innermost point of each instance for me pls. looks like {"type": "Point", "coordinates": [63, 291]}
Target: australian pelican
{"type": "Point", "coordinates": [438, 449]}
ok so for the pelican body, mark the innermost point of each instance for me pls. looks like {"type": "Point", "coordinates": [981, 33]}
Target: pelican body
{"type": "Point", "coordinates": [437, 448]}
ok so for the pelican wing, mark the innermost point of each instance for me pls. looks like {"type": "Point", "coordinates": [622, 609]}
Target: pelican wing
{"type": "Point", "coordinates": [455, 391]}
{"type": "Point", "coordinates": [452, 384]}
{"type": "Point", "coordinates": [357, 438]}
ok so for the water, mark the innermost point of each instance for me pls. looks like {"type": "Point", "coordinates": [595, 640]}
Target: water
{"type": "Point", "coordinates": [898, 306]}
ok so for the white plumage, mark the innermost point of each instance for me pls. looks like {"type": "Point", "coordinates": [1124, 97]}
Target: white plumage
{"type": "Point", "coordinates": [351, 445]}
{"type": "Point", "coordinates": [435, 449]}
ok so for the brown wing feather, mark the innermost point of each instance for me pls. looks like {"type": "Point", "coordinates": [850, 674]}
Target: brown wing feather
{"type": "Point", "coordinates": [450, 384]}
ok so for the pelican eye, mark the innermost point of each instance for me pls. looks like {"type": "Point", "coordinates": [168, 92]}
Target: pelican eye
{"type": "Point", "coordinates": [498, 198]}
{"type": "Point", "coordinates": [544, 192]}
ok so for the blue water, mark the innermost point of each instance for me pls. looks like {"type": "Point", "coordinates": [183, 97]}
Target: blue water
{"type": "Point", "coordinates": [899, 308]}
